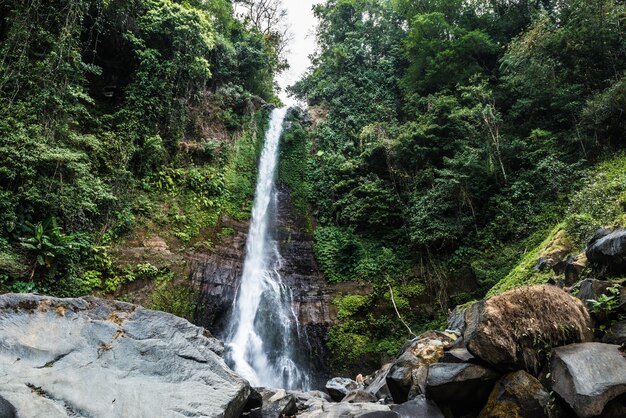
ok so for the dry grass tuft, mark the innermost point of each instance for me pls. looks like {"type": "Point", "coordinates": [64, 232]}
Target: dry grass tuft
{"type": "Point", "coordinates": [520, 327]}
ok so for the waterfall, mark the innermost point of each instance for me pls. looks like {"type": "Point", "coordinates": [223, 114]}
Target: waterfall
{"type": "Point", "coordinates": [263, 331]}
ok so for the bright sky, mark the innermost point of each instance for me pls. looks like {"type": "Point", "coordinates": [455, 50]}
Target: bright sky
{"type": "Point", "coordinates": [303, 24]}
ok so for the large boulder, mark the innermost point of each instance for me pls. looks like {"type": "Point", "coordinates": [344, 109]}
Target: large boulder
{"type": "Point", "coordinates": [408, 369]}
{"type": "Point", "coordinates": [588, 376]}
{"type": "Point", "coordinates": [455, 382]}
{"type": "Point", "coordinates": [420, 407]}
{"type": "Point", "coordinates": [517, 395]}
{"type": "Point", "coordinates": [511, 330]}
{"type": "Point", "coordinates": [606, 252]}
{"type": "Point", "coordinates": [318, 408]}
{"type": "Point", "coordinates": [93, 357]}
{"type": "Point", "coordinates": [339, 387]}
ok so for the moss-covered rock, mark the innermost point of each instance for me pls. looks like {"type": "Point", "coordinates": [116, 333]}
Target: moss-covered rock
{"type": "Point", "coordinates": [517, 395]}
{"type": "Point", "coordinates": [517, 329]}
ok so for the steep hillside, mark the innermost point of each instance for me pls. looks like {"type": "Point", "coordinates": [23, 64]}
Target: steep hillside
{"type": "Point", "coordinates": [450, 139]}
{"type": "Point", "coordinates": [127, 131]}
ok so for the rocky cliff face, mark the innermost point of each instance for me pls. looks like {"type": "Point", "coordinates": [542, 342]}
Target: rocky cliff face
{"type": "Point", "coordinates": [217, 274]}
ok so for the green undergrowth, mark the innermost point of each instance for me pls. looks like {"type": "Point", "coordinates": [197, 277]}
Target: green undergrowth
{"type": "Point", "coordinates": [293, 166]}
{"type": "Point", "coordinates": [369, 332]}
{"type": "Point", "coordinates": [184, 204]}
{"type": "Point", "coordinates": [600, 202]}
{"type": "Point", "coordinates": [524, 273]}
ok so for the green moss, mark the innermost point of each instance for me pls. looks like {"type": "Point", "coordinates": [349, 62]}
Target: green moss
{"type": "Point", "coordinates": [524, 273]}
{"type": "Point", "coordinates": [601, 202]}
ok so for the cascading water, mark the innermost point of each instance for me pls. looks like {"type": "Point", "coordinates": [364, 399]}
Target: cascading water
{"type": "Point", "coordinates": [263, 330]}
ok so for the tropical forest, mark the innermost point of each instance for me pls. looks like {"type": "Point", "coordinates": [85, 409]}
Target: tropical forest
{"type": "Point", "coordinates": [313, 208]}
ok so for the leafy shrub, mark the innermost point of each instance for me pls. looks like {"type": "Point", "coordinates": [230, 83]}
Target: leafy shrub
{"type": "Point", "coordinates": [90, 281]}
{"type": "Point", "coordinates": [349, 305]}
{"type": "Point", "coordinates": [336, 251]}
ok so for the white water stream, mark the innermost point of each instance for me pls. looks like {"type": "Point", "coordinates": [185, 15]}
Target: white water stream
{"type": "Point", "coordinates": [263, 331]}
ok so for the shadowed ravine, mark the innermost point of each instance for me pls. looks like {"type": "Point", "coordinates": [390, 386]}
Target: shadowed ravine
{"type": "Point", "coordinates": [263, 331]}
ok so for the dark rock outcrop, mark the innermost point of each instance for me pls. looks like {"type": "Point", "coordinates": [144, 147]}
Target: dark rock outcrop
{"type": "Point", "coordinates": [588, 376]}
{"type": "Point", "coordinates": [452, 382]}
{"type": "Point", "coordinates": [606, 252]}
{"type": "Point", "coordinates": [93, 357]}
{"type": "Point", "coordinates": [543, 317]}
{"type": "Point", "coordinates": [420, 407]}
{"type": "Point", "coordinates": [216, 275]}
{"type": "Point", "coordinates": [339, 387]}
{"type": "Point", "coordinates": [277, 403]}
{"type": "Point", "coordinates": [517, 395]}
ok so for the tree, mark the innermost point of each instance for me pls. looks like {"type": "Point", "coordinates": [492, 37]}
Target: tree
{"type": "Point", "coordinates": [269, 17]}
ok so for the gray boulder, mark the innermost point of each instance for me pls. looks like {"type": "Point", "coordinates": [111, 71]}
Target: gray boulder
{"type": "Point", "coordinates": [94, 357]}
{"type": "Point", "coordinates": [318, 408]}
{"type": "Point", "coordinates": [518, 395]}
{"type": "Point", "coordinates": [588, 376]}
{"type": "Point", "coordinates": [277, 403]}
{"type": "Point", "coordinates": [303, 397]}
{"type": "Point", "coordinates": [339, 387]}
{"type": "Point", "coordinates": [606, 252]}
{"type": "Point", "coordinates": [359, 396]}
{"type": "Point", "coordinates": [616, 334]}
{"type": "Point", "coordinates": [420, 407]}
{"type": "Point", "coordinates": [380, 414]}
{"type": "Point", "coordinates": [457, 382]}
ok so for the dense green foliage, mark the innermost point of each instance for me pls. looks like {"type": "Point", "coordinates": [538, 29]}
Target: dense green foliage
{"type": "Point", "coordinates": [106, 108]}
{"type": "Point", "coordinates": [293, 171]}
{"type": "Point", "coordinates": [450, 135]}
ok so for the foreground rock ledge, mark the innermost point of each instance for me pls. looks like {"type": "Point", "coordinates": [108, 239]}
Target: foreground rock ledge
{"type": "Point", "coordinates": [93, 357]}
